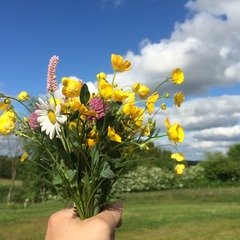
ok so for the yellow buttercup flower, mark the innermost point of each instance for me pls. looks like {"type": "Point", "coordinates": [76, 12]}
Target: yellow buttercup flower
{"type": "Point", "coordinates": [92, 138]}
{"type": "Point", "coordinates": [71, 87]}
{"type": "Point", "coordinates": [90, 142]}
{"type": "Point", "coordinates": [118, 63]}
{"type": "Point", "coordinates": [24, 156]}
{"type": "Point", "coordinates": [105, 89]}
{"type": "Point", "coordinates": [175, 132]}
{"type": "Point", "coordinates": [141, 90]}
{"type": "Point", "coordinates": [7, 122]}
{"type": "Point", "coordinates": [4, 106]}
{"type": "Point", "coordinates": [102, 76]}
{"type": "Point", "coordinates": [85, 111]}
{"type": "Point", "coordinates": [179, 169]}
{"type": "Point", "coordinates": [178, 156]}
{"type": "Point", "coordinates": [136, 113]}
{"type": "Point", "coordinates": [178, 98]}
{"type": "Point", "coordinates": [113, 136]}
{"type": "Point", "coordinates": [136, 87]}
{"type": "Point", "coordinates": [151, 101]}
{"type": "Point", "coordinates": [23, 96]}
{"type": "Point", "coordinates": [177, 76]}
{"type": "Point", "coordinates": [119, 95]}
{"type": "Point", "coordinates": [146, 131]}
{"type": "Point", "coordinates": [71, 105]}
{"type": "Point", "coordinates": [139, 120]}
{"type": "Point", "coordinates": [163, 106]}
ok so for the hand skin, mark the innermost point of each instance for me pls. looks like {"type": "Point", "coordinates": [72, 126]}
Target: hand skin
{"type": "Point", "coordinates": [65, 225]}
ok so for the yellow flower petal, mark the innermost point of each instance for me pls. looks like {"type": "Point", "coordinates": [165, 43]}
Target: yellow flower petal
{"type": "Point", "coordinates": [178, 98]}
{"type": "Point", "coordinates": [105, 89]}
{"type": "Point", "coordinates": [71, 87]}
{"type": "Point", "coordinates": [175, 132]}
{"type": "Point", "coordinates": [143, 91]}
{"type": "Point", "coordinates": [179, 169]}
{"type": "Point", "coordinates": [7, 122]}
{"type": "Point", "coordinates": [102, 76]}
{"type": "Point", "coordinates": [177, 76]}
{"type": "Point", "coordinates": [118, 63]}
{"type": "Point", "coordinates": [151, 101]}
{"type": "Point", "coordinates": [113, 136]}
{"type": "Point", "coordinates": [178, 156]}
{"type": "Point", "coordinates": [24, 156]}
{"type": "Point", "coordinates": [23, 96]}
{"type": "Point", "coordinates": [136, 87]}
{"type": "Point", "coordinates": [4, 106]}
{"type": "Point", "coordinates": [119, 95]}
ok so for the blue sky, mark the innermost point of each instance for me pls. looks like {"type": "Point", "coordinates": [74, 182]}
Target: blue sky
{"type": "Point", "coordinates": [200, 36]}
{"type": "Point", "coordinates": [82, 33]}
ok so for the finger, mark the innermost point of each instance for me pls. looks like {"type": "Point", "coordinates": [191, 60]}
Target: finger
{"type": "Point", "coordinates": [112, 214]}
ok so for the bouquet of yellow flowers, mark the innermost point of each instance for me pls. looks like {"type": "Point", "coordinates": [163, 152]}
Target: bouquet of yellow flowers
{"type": "Point", "coordinates": [87, 139]}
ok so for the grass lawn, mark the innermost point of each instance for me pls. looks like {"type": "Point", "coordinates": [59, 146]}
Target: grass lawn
{"type": "Point", "coordinates": [199, 214]}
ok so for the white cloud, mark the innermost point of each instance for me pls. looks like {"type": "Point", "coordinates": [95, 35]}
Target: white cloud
{"type": "Point", "coordinates": [206, 45]}
{"type": "Point", "coordinates": [210, 124]}
{"type": "Point", "coordinates": [116, 3]}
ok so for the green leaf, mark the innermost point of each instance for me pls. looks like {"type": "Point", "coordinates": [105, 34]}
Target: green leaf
{"type": "Point", "coordinates": [57, 180]}
{"type": "Point", "coordinates": [74, 116]}
{"type": "Point", "coordinates": [71, 174]}
{"type": "Point", "coordinates": [94, 156]}
{"type": "Point", "coordinates": [107, 172]}
{"type": "Point", "coordinates": [84, 94]}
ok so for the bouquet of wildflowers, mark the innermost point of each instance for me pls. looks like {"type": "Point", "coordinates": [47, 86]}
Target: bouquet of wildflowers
{"type": "Point", "coordinates": [87, 139]}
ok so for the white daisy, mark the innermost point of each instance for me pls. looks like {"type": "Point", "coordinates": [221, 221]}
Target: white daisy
{"type": "Point", "coordinates": [49, 118]}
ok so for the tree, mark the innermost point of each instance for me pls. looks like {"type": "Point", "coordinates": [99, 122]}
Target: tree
{"type": "Point", "coordinates": [234, 153]}
{"type": "Point", "coordinates": [220, 167]}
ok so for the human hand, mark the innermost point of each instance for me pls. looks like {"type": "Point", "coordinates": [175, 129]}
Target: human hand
{"type": "Point", "coordinates": [65, 225]}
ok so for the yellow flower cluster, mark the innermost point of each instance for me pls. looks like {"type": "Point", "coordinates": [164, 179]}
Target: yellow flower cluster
{"type": "Point", "coordinates": [127, 111]}
{"type": "Point", "coordinates": [7, 122]}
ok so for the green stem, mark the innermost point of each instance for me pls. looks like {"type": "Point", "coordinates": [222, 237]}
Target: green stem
{"type": "Point", "coordinates": [15, 99]}
{"type": "Point", "coordinates": [114, 76]}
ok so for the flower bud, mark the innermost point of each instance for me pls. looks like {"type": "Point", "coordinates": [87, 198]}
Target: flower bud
{"type": "Point", "coordinates": [144, 146]}
{"type": "Point", "coordinates": [7, 101]}
{"type": "Point", "coordinates": [163, 106]}
{"type": "Point", "coordinates": [26, 119]}
{"type": "Point", "coordinates": [166, 95]}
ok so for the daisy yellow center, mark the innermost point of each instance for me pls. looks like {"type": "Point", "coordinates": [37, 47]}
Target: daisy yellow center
{"type": "Point", "coordinates": [52, 117]}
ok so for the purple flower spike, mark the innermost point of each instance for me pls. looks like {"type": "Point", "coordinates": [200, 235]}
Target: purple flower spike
{"type": "Point", "coordinates": [33, 123]}
{"type": "Point", "coordinates": [98, 105]}
{"type": "Point", "coordinates": [51, 77]}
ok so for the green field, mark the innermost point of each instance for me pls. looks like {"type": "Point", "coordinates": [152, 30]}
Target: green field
{"type": "Point", "coordinates": [198, 214]}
